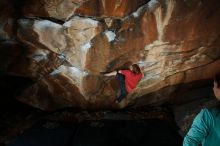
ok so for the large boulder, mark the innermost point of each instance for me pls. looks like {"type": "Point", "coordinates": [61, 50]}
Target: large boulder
{"type": "Point", "coordinates": [175, 42]}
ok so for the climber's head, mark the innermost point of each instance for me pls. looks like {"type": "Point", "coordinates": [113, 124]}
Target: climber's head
{"type": "Point", "coordinates": [216, 87]}
{"type": "Point", "coordinates": [135, 68]}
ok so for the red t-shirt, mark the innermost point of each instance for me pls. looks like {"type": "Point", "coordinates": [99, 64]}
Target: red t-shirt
{"type": "Point", "coordinates": [131, 79]}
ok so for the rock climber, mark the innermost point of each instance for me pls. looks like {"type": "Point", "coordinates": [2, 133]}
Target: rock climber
{"type": "Point", "coordinates": [128, 79]}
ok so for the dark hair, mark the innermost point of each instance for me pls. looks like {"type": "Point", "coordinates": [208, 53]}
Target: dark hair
{"type": "Point", "coordinates": [217, 79]}
{"type": "Point", "coordinates": [136, 69]}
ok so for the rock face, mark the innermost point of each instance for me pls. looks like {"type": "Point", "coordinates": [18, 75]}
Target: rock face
{"type": "Point", "coordinates": [63, 46]}
{"type": "Point", "coordinates": [65, 9]}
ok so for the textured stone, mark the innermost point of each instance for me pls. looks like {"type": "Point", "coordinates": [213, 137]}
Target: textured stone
{"type": "Point", "coordinates": [65, 9]}
{"type": "Point", "coordinates": [6, 20]}
{"type": "Point", "coordinates": [106, 8]}
{"type": "Point", "coordinates": [56, 9]}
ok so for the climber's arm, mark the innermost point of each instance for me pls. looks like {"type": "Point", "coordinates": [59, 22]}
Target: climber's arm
{"type": "Point", "coordinates": [113, 73]}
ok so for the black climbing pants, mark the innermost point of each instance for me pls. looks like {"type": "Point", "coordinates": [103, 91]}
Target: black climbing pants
{"type": "Point", "coordinates": [123, 91]}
